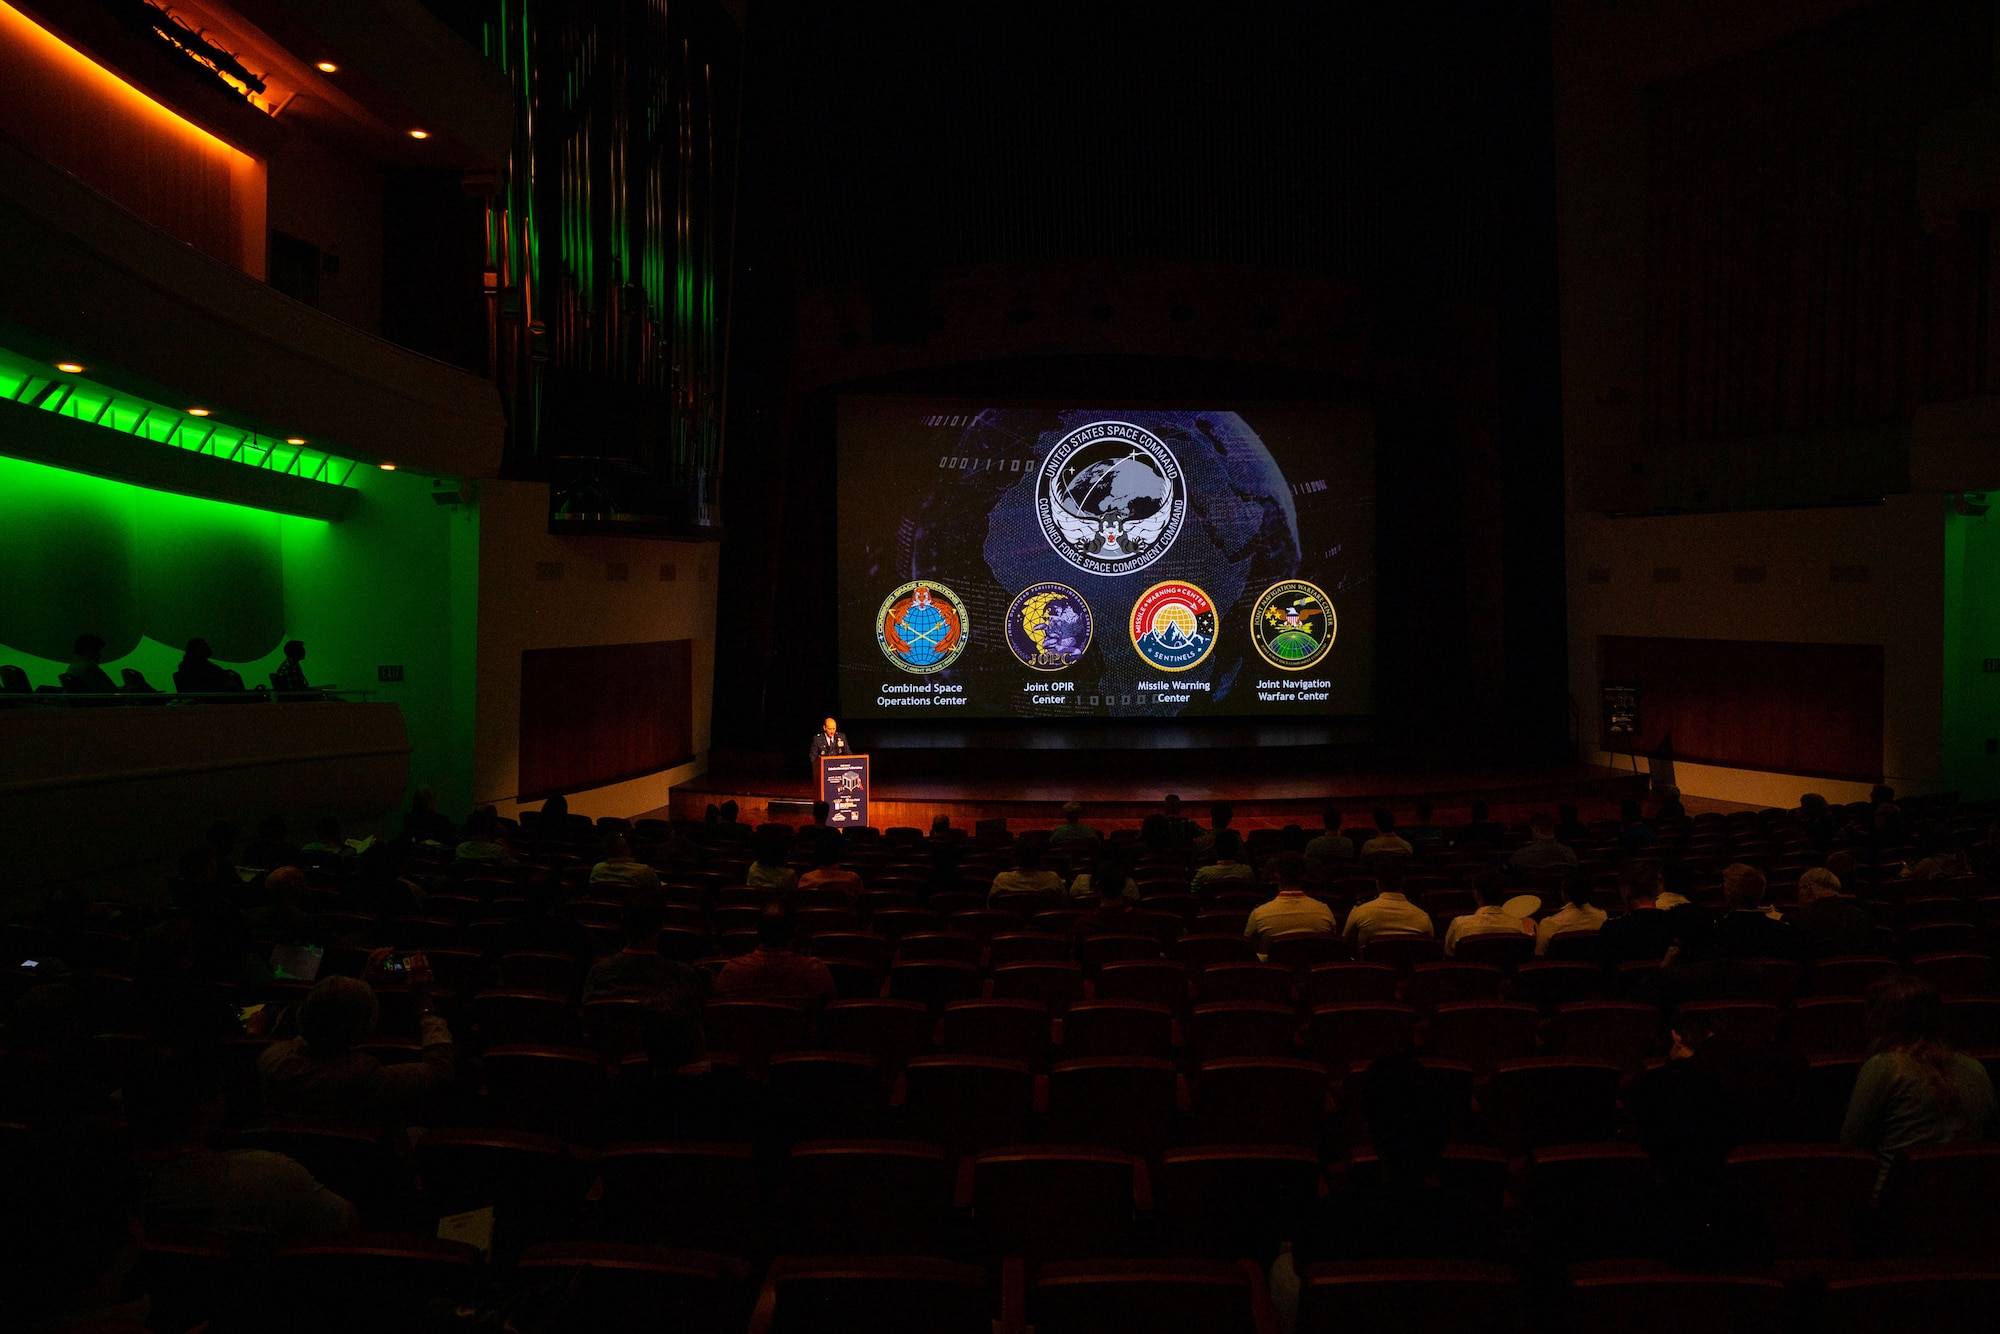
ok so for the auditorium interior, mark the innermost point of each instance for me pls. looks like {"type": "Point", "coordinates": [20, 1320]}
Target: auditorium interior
{"type": "Point", "coordinates": [719, 665]}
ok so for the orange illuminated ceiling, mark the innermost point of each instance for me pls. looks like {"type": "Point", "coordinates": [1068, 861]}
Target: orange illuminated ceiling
{"type": "Point", "coordinates": [78, 115]}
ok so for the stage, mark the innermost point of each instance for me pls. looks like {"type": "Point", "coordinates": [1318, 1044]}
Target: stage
{"type": "Point", "coordinates": [1266, 786]}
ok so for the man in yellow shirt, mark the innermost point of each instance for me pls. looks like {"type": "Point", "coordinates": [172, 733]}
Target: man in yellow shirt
{"type": "Point", "coordinates": [1388, 911]}
{"type": "Point", "coordinates": [1290, 909]}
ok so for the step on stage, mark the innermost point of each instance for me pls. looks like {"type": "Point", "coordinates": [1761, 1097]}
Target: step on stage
{"type": "Point", "coordinates": [1268, 787]}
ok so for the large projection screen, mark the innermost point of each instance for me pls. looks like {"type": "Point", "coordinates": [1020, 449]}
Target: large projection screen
{"type": "Point", "coordinates": [1000, 560]}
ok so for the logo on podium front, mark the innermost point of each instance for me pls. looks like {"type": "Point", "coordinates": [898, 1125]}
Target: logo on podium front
{"type": "Point", "coordinates": [843, 786]}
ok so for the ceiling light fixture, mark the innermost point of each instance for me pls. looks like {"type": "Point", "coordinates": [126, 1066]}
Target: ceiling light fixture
{"type": "Point", "coordinates": [197, 412]}
{"type": "Point", "coordinates": [295, 440]}
{"type": "Point", "coordinates": [420, 134]}
{"type": "Point", "coordinates": [70, 367]}
{"type": "Point", "coordinates": [327, 67]}
{"type": "Point", "coordinates": [388, 467]}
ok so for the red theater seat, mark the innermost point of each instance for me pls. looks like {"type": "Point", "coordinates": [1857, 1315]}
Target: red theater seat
{"type": "Point", "coordinates": [879, 1295]}
{"type": "Point", "coordinates": [870, 1197]}
{"type": "Point", "coordinates": [1057, 1201]}
{"type": "Point", "coordinates": [1158, 1296]}
{"type": "Point", "coordinates": [1408, 1297]}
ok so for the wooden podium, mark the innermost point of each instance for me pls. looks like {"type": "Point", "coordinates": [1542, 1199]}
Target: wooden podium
{"type": "Point", "coordinates": [843, 786]}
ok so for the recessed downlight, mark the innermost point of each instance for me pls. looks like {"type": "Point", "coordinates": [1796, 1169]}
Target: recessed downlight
{"type": "Point", "coordinates": [70, 367]}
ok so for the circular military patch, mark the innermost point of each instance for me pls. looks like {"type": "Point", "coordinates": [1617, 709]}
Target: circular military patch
{"type": "Point", "coordinates": [922, 627]}
{"type": "Point", "coordinates": [1110, 498]}
{"type": "Point", "coordinates": [1173, 626]}
{"type": "Point", "coordinates": [1293, 625]}
{"type": "Point", "coordinates": [1048, 627]}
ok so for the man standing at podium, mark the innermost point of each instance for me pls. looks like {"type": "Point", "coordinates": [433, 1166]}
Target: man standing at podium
{"type": "Point", "coordinates": [829, 740]}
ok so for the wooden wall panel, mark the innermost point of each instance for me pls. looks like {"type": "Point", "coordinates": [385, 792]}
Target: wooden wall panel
{"type": "Point", "coordinates": [1813, 709]}
{"type": "Point", "coordinates": [604, 714]}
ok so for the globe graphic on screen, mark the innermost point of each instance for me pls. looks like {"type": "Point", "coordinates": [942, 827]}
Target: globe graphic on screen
{"type": "Point", "coordinates": [975, 527]}
{"type": "Point", "coordinates": [1126, 487]}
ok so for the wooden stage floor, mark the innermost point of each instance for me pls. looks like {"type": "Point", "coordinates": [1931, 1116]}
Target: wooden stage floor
{"type": "Point", "coordinates": [1269, 787]}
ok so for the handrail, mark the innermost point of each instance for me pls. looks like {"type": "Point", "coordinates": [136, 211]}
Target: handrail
{"type": "Point", "coordinates": [249, 694]}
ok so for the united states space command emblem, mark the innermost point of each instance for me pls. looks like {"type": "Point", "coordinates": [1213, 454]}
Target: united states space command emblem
{"type": "Point", "coordinates": [1110, 498]}
{"type": "Point", "coordinates": [1048, 627]}
{"type": "Point", "coordinates": [1293, 625]}
{"type": "Point", "coordinates": [922, 627]}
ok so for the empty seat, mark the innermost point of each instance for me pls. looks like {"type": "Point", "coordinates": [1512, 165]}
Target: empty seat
{"type": "Point", "coordinates": [1972, 1022]}
{"type": "Point", "coordinates": [1159, 1296]}
{"type": "Point", "coordinates": [1057, 985]}
{"type": "Point", "coordinates": [1096, 951]}
{"type": "Point", "coordinates": [1118, 1028]}
{"type": "Point", "coordinates": [1351, 983]}
{"type": "Point", "coordinates": [967, 1102]}
{"type": "Point", "coordinates": [1015, 1029]}
{"type": "Point", "coordinates": [754, 1031]}
{"type": "Point", "coordinates": [1944, 1200]}
{"type": "Point", "coordinates": [1964, 974]}
{"type": "Point", "coordinates": [1815, 1196]}
{"type": "Point", "coordinates": [1260, 1100]}
{"type": "Point", "coordinates": [873, 1295]}
{"type": "Point", "coordinates": [1829, 1088]}
{"type": "Point", "coordinates": [1241, 1028]}
{"type": "Point", "coordinates": [1056, 1201]}
{"type": "Point", "coordinates": [935, 982]}
{"type": "Point", "coordinates": [1552, 982]}
{"type": "Point", "coordinates": [1848, 974]}
{"type": "Point", "coordinates": [1267, 982]}
{"type": "Point", "coordinates": [1588, 1201]}
{"type": "Point", "coordinates": [529, 1180]}
{"type": "Point", "coordinates": [1937, 1300]}
{"type": "Point", "coordinates": [869, 1197]}
{"type": "Point", "coordinates": [1645, 1299]}
{"type": "Point", "coordinates": [1745, 1021]}
{"type": "Point", "coordinates": [1026, 947]}
{"type": "Point", "coordinates": [539, 970]}
{"type": "Point", "coordinates": [1828, 1025]}
{"type": "Point", "coordinates": [684, 1193]}
{"type": "Point", "coordinates": [1435, 984]}
{"type": "Point", "coordinates": [1408, 1297]}
{"type": "Point", "coordinates": [1302, 951]}
{"type": "Point", "coordinates": [1404, 952]}
{"type": "Point", "coordinates": [1121, 1102]}
{"type": "Point", "coordinates": [1204, 949]}
{"type": "Point", "coordinates": [591, 1287]}
{"type": "Point", "coordinates": [1621, 1032]}
{"type": "Point", "coordinates": [858, 946]}
{"type": "Point", "coordinates": [1478, 1170]}
{"type": "Point", "coordinates": [1483, 1033]}
{"type": "Point", "coordinates": [1228, 1200]}
{"type": "Point", "coordinates": [1339, 1035]}
{"type": "Point", "coordinates": [1542, 1100]}
{"type": "Point", "coordinates": [891, 1031]}
{"type": "Point", "coordinates": [827, 1094]}
{"type": "Point", "coordinates": [365, 1281]}
{"type": "Point", "coordinates": [1160, 981]}
{"type": "Point", "coordinates": [535, 1017]}
{"type": "Point", "coordinates": [931, 946]}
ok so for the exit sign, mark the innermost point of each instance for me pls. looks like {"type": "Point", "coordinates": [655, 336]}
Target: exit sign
{"type": "Point", "coordinates": [1990, 665]}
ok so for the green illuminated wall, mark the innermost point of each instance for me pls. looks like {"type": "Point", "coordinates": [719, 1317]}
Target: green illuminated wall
{"type": "Point", "coordinates": [394, 583]}
{"type": "Point", "coordinates": [1971, 635]}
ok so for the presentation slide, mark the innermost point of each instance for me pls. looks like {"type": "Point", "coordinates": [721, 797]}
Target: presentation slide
{"type": "Point", "coordinates": [1011, 561]}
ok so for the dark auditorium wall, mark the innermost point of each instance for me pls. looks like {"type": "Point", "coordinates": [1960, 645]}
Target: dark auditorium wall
{"type": "Point", "coordinates": [1296, 202]}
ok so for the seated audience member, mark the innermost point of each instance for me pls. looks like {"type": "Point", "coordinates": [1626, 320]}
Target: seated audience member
{"type": "Point", "coordinates": [198, 673]}
{"type": "Point", "coordinates": [1670, 807]}
{"type": "Point", "coordinates": [1332, 845]}
{"type": "Point", "coordinates": [1815, 818]}
{"type": "Point", "coordinates": [1914, 1089]}
{"type": "Point", "coordinates": [173, 1103]}
{"type": "Point", "coordinates": [1388, 911]}
{"type": "Point", "coordinates": [552, 820]}
{"type": "Point", "coordinates": [282, 917]}
{"type": "Point", "coordinates": [320, 1074]}
{"type": "Point", "coordinates": [1483, 830]}
{"type": "Point", "coordinates": [1290, 909]}
{"type": "Point", "coordinates": [542, 926]}
{"type": "Point", "coordinates": [1696, 1215]}
{"type": "Point", "coordinates": [729, 827]}
{"type": "Point", "coordinates": [290, 675]}
{"type": "Point", "coordinates": [768, 868]}
{"type": "Point", "coordinates": [1576, 914]}
{"type": "Point", "coordinates": [827, 872]}
{"type": "Point", "coordinates": [625, 871]}
{"type": "Point", "coordinates": [1027, 875]}
{"type": "Point", "coordinates": [423, 823]}
{"type": "Point", "coordinates": [485, 844]}
{"type": "Point", "coordinates": [1153, 840]}
{"type": "Point", "coordinates": [638, 969]}
{"type": "Point", "coordinates": [1939, 858]}
{"type": "Point", "coordinates": [1424, 836]}
{"type": "Point", "coordinates": [821, 810]}
{"type": "Point", "coordinates": [84, 676]}
{"type": "Point", "coordinates": [676, 1094]}
{"type": "Point", "coordinates": [1404, 1213]}
{"type": "Point", "coordinates": [1643, 931]}
{"type": "Point", "coordinates": [1542, 852]}
{"type": "Point", "coordinates": [1387, 842]}
{"type": "Point", "coordinates": [1675, 881]}
{"type": "Point", "coordinates": [1219, 816]}
{"type": "Point", "coordinates": [67, 1200]}
{"type": "Point", "coordinates": [1748, 929]}
{"type": "Point", "coordinates": [176, 965]}
{"type": "Point", "coordinates": [774, 971]}
{"type": "Point", "coordinates": [1072, 829]}
{"type": "Point", "coordinates": [1114, 914]}
{"type": "Point", "coordinates": [1764, 1081]}
{"type": "Point", "coordinates": [941, 830]}
{"type": "Point", "coordinates": [1227, 866]}
{"type": "Point", "coordinates": [1569, 828]}
{"type": "Point", "coordinates": [1180, 830]}
{"type": "Point", "coordinates": [1828, 923]}
{"type": "Point", "coordinates": [271, 847]}
{"type": "Point", "coordinates": [1108, 871]}
{"type": "Point", "coordinates": [1694, 968]}
{"type": "Point", "coordinates": [1633, 831]}
{"type": "Point", "coordinates": [327, 841]}
{"type": "Point", "coordinates": [1491, 918]}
